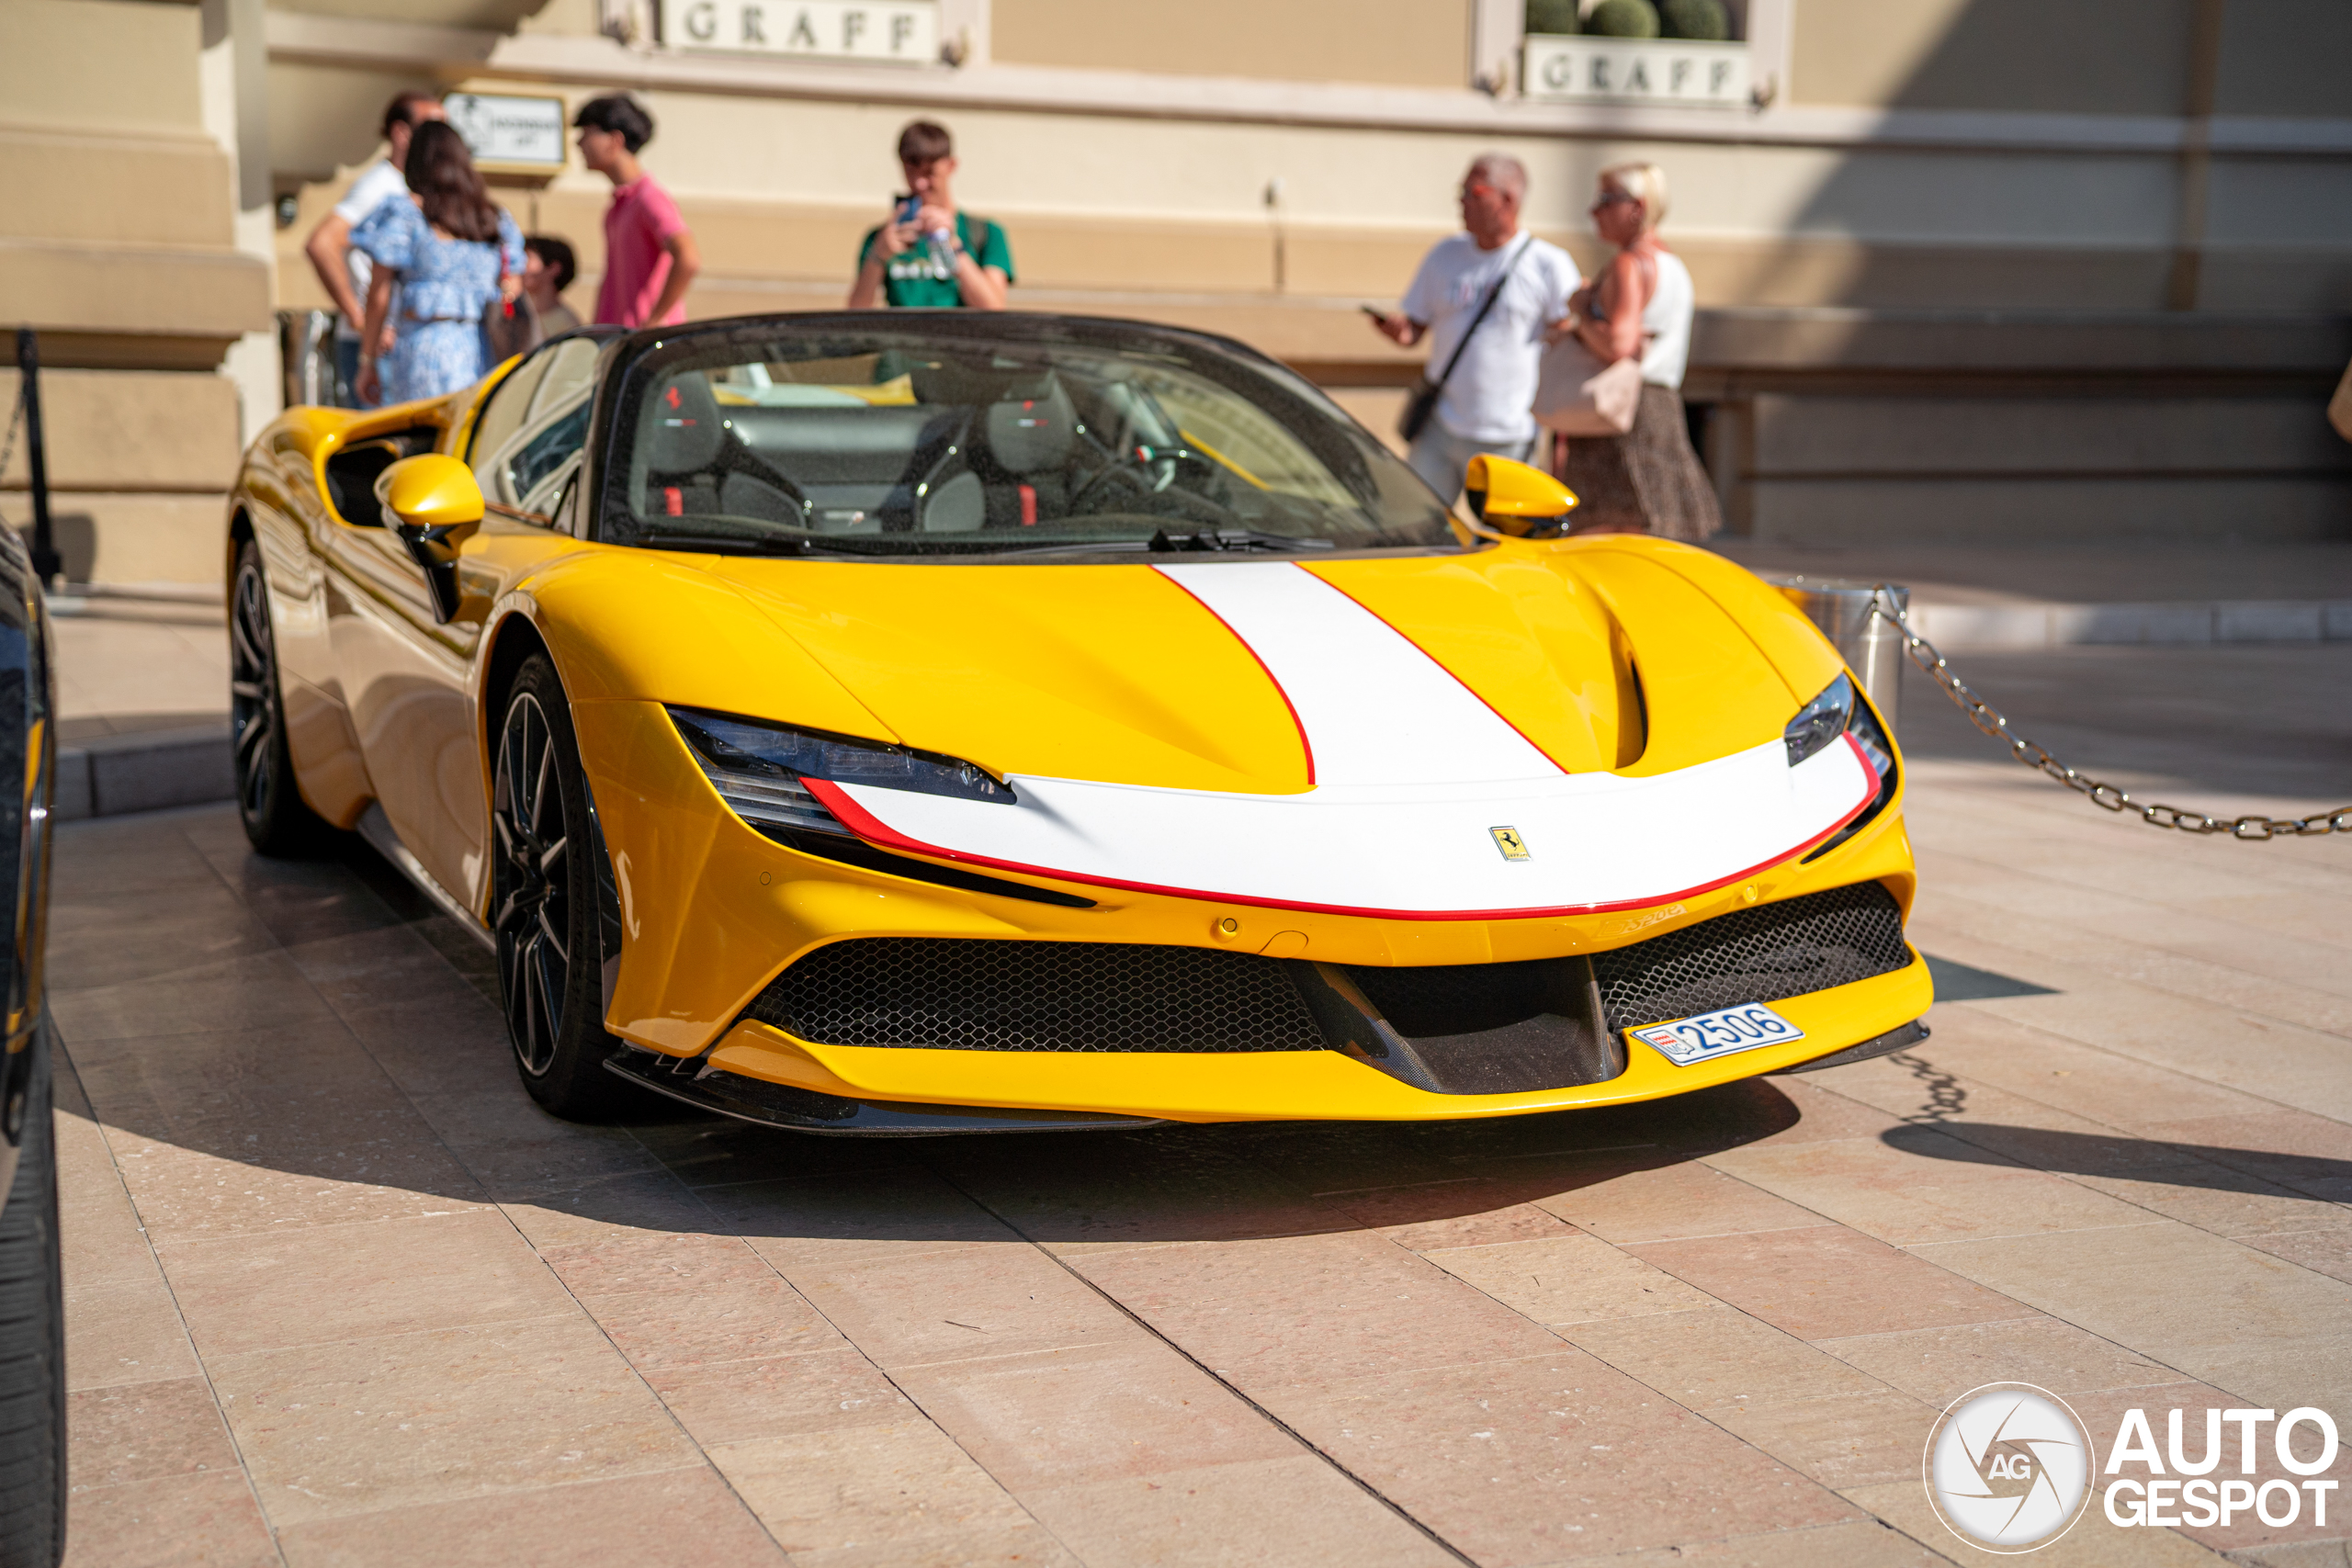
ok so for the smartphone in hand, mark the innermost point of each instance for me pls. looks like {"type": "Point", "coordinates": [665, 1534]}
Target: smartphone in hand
{"type": "Point", "coordinates": [1379, 316]}
{"type": "Point", "coordinates": [908, 207]}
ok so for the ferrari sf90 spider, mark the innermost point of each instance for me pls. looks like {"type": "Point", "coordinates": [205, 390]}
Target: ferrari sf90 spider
{"type": "Point", "coordinates": [931, 721]}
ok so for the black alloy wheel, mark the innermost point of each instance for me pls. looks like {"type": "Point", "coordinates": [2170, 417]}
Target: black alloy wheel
{"type": "Point", "coordinates": [534, 909]}
{"type": "Point", "coordinates": [543, 903]}
{"type": "Point", "coordinates": [269, 803]}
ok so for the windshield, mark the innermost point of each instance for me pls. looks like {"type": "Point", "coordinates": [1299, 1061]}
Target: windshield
{"type": "Point", "coordinates": [947, 439]}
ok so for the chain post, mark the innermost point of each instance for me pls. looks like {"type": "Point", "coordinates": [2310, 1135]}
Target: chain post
{"type": "Point", "coordinates": [2106, 796]}
{"type": "Point", "coordinates": [46, 564]}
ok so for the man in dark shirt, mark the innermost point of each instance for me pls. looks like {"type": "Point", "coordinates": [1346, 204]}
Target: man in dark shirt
{"type": "Point", "coordinates": [939, 257]}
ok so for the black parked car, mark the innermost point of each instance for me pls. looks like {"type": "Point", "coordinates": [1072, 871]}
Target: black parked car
{"type": "Point", "coordinates": [32, 1304]}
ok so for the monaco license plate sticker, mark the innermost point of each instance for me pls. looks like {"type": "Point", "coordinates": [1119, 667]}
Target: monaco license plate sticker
{"type": "Point", "coordinates": [1722, 1033]}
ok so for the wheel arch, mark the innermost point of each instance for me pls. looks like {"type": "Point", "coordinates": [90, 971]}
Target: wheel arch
{"type": "Point", "coordinates": [513, 638]}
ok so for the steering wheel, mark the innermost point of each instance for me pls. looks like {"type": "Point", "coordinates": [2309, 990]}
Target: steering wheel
{"type": "Point", "coordinates": [1127, 477]}
{"type": "Point", "coordinates": [1130, 467]}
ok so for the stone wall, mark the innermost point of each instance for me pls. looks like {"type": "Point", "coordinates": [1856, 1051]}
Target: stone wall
{"type": "Point", "coordinates": [124, 243]}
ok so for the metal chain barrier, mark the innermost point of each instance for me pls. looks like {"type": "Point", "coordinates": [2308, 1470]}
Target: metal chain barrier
{"type": "Point", "coordinates": [2106, 796]}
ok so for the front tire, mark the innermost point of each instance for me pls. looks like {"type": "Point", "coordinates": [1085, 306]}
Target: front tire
{"type": "Point", "coordinates": [269, 803]}
{"type": "Point", "coordinates": [543, 903]}
{"type": "Point", "coordinates": [32, 1341]}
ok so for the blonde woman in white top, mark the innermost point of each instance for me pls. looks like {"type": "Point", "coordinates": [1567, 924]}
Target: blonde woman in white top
{"type": "Point", "coordinates": [1648, 480]}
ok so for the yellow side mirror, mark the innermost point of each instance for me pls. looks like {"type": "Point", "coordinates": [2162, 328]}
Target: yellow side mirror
{"type": "Point", "coordinates": [428, 492]}
{"type": "Point", "coordinates": [1517, 500]}
{"type": "Point", "coordinates": [435, 505]}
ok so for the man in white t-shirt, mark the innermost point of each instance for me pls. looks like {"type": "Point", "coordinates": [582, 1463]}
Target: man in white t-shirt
{"type": "Point", "coordinates": [345, 272]}
{"type": "Point", "coordinates": [1483, 407]}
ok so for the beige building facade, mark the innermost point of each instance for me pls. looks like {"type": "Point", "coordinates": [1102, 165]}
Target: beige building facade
{"type": "Point", "coordinates": [1969, 270]}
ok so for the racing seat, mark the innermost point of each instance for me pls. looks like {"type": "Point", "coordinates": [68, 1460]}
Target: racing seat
{"type": "Point", "coordinates": [697, 467]}
{"type": "Point", "coordinates": [1023, 454]}
{"type": "Point", "coordinates": [1011, 472]}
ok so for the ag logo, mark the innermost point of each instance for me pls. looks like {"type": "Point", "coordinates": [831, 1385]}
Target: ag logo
{"type": "Point", "coordinates": [2008, 1467]}
{"type": "Point", "coordinates": [1508, 841]}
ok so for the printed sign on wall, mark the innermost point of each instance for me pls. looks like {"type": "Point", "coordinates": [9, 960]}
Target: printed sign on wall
{"type": "Point", "coordinates": [906, 31]}
{"type": "Point", "coordinates": [509, 131]}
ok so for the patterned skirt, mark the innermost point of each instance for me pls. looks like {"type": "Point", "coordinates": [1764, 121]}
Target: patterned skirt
{"type": "Point", "coordinates": [1648, 480]}
{"type": "Point", "coordinates": [431, 360]}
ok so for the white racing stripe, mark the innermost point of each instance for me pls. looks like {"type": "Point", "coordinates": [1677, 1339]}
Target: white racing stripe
{"type": "Point", "coordinates": [1595, 841]}
{"type": "Point", "coordinates": [1376, 709]}
{"type": "Point", "coordinates": [1412, 773]}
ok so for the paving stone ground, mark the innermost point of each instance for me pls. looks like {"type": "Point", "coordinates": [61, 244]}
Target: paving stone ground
{"type": "Point", "coordinates": [129, 665]}
{"type": "Point", "coordinates": [340, 1294]}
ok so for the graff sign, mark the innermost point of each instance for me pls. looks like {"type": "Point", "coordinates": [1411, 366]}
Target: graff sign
{"type": "Point", "coordinates": [1612, 71]}
{"type": "Point", "coordinates": [905, 31]}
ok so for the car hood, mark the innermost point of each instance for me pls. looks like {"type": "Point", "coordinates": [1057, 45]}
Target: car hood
{"type": "Point", "coordinates": [1272, 677]}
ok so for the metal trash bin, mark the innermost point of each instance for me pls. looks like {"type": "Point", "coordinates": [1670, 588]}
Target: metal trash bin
{"type": "Point", "coordinates": [306, 350]}
{"type": "Point", "coordinates": [1846, 610]}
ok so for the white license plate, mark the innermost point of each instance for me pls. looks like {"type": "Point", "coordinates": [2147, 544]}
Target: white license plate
{"type": "Point", "coordinates": [1719, 1034]}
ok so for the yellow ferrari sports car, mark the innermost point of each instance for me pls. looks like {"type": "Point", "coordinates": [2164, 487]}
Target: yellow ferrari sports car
{"type": "Point", "coordinates": [920, 722]}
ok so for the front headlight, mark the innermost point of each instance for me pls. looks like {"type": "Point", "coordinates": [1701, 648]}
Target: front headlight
{"type": "Point", "coordinates": [1820, 721]}
{"type": "Point", "coordinates": [1864, 727]}
{"type": "Point", "coordinates": [1838, 711]}
{"type": "Point", "coordinates": [758, 768]}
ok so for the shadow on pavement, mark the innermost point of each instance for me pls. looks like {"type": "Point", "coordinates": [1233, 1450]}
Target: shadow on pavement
{"type": "Point", "coordinates": [2212, 1167]}
{"type": "Point", "coordinates": [1170, 1183]}
{"type": "Point", "coordinates": [1243, 1180]}
{"type": "Point", "coordinates": [1957, 982]}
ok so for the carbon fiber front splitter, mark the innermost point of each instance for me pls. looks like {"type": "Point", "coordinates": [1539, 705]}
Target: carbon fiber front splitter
{"type": "Point", "coordinates": [696, 1083]}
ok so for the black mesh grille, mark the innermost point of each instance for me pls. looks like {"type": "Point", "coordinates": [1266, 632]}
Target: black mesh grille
{"type": "Point", "coordinates": [1037, 995]}
{"type": "Point", "coordinates": [951, 993]}
{"type": "Point", "coordinates": [1762, 954]}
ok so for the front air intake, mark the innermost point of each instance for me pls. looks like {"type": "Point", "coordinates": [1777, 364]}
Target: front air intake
{"type": "Point", "coordinates": [1764, 954]}
{"type": "Point", "coordinates": [958, 995]}
{"type": "Point", "coordinates": [955, 994]}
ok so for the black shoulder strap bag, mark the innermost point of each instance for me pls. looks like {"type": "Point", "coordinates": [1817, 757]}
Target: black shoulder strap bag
{"type": "Point", "coordinates": [1422, 405]}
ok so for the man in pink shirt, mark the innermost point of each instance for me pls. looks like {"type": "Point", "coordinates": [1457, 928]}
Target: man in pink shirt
{"type": "Point", "coordinates": [649, 255]}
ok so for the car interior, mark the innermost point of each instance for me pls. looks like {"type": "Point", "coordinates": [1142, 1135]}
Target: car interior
{"type": "Point", "coordinates": [988, 451]}
{"type": "Point", "coordinates": [944, 450]}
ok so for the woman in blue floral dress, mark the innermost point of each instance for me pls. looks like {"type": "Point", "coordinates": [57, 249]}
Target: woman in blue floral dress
{"type": "Point", "coordinates": [440, 259]}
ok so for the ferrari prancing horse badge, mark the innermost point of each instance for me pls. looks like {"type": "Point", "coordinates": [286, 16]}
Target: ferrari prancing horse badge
{"type": "Point", "coordinates": [1508, 841]}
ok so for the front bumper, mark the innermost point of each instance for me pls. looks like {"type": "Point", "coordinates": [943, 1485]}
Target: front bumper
{"type": "Point", "coordinates": [712, 911]}
{"type": "Point", "coordinates": [1283, 1085]}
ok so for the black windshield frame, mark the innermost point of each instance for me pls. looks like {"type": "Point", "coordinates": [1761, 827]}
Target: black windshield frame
{"type": "Point", "coordinates": [1355, 460]}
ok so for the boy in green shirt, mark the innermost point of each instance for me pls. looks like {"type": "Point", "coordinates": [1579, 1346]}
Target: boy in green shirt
{"type": "Point", "coordinates": [902, 263]}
